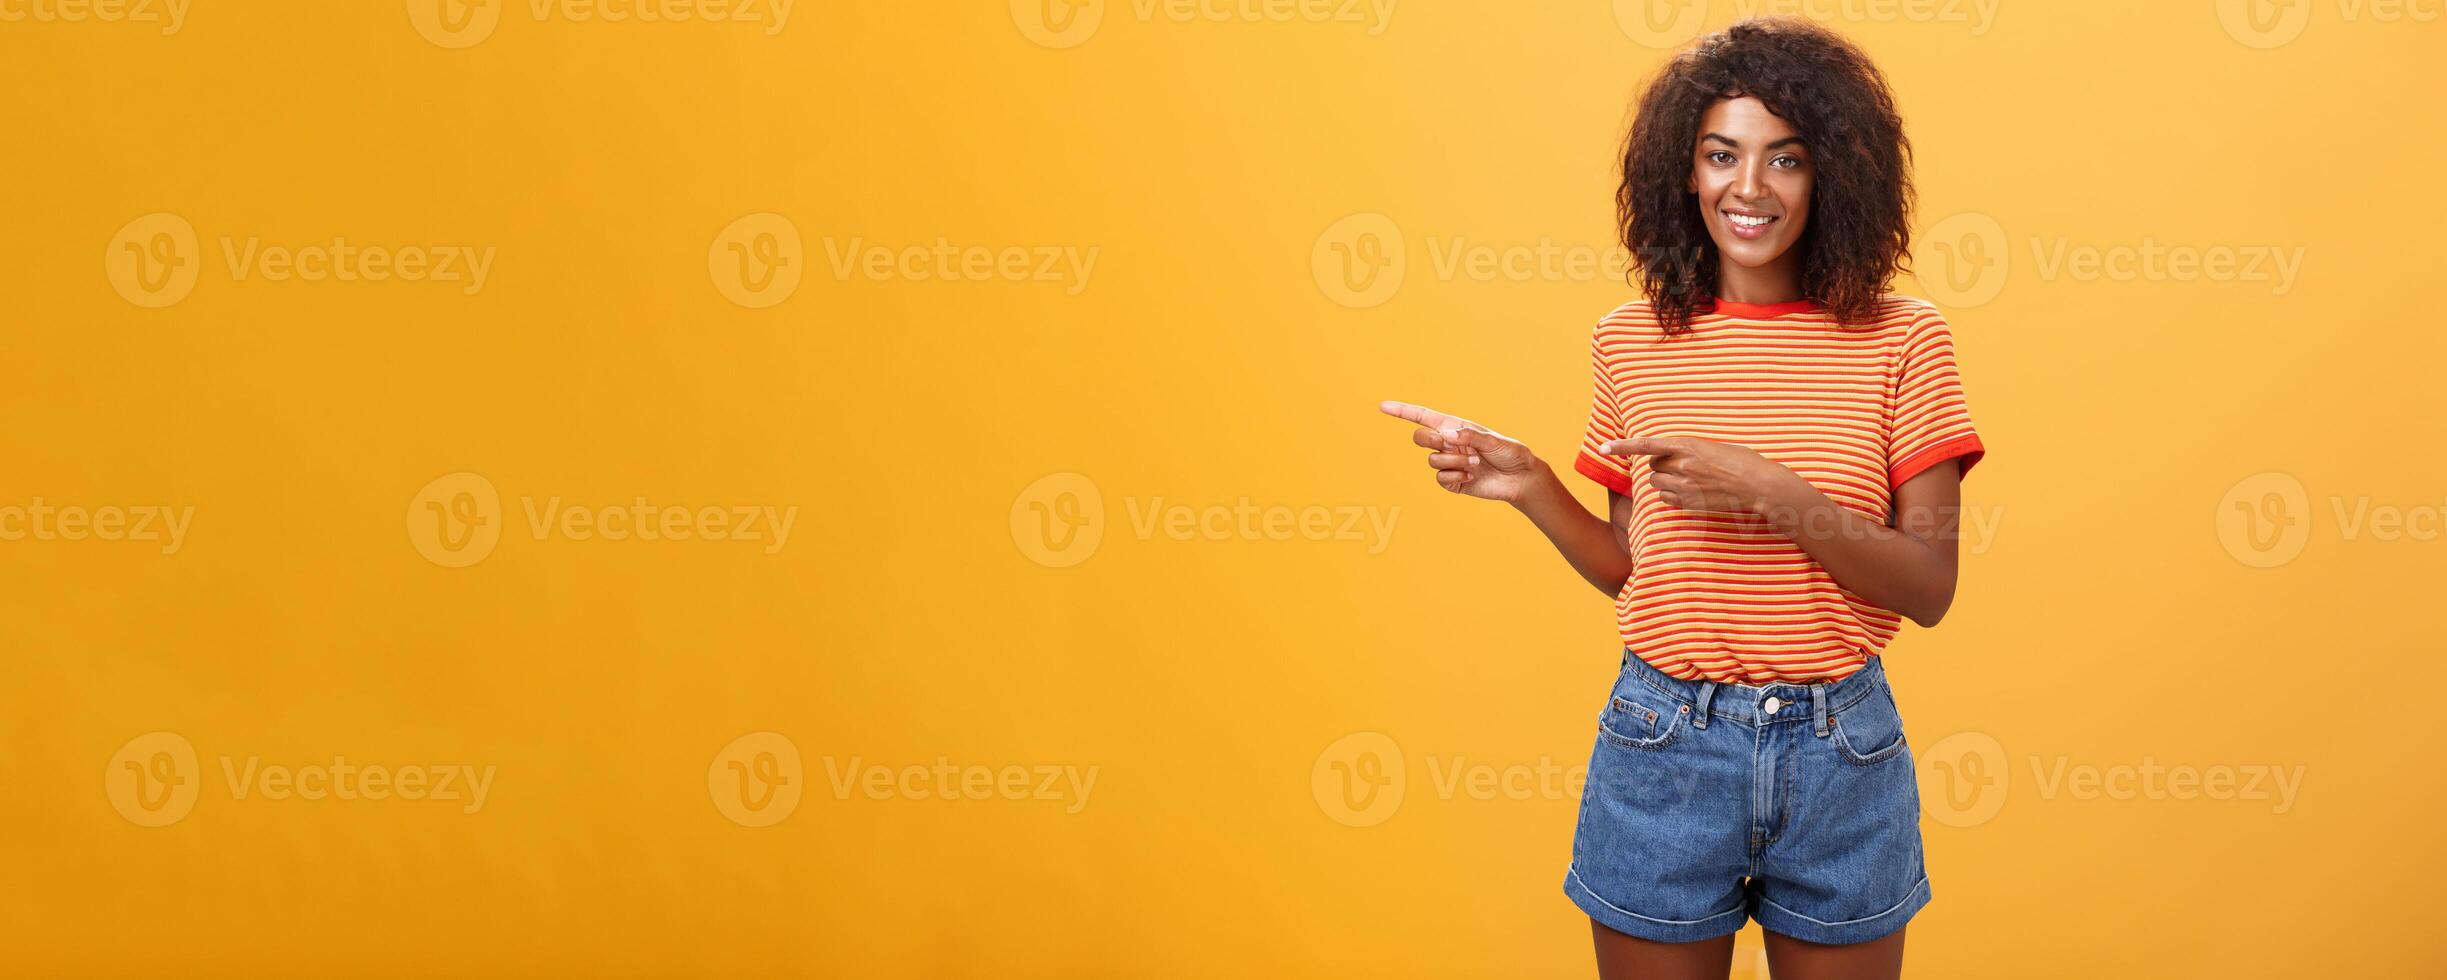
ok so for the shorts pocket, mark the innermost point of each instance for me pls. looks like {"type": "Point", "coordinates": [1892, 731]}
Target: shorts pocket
{"type": "Point", "coordinates": [1868, 731]}
{"type": "Point", "coordinates": [1635, 724]}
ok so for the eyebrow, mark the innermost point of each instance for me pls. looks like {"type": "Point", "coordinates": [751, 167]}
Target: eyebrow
{"type": "Point", "coordinates": [1729, 141]}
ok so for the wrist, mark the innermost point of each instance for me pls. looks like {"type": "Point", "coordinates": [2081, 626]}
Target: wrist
{"type": "Point", "coordinates": [1539, 489]}
{"type": "Point", "coordinates": [1786, 504]}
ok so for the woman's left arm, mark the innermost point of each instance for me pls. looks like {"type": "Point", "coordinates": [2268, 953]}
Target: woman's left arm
{"type": "Point", "coordinates": [1908, 567]}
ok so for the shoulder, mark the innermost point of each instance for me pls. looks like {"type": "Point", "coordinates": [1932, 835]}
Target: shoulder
{"type": "Point", "coordinates": [1629, 319]}
{"type": "Point", "coordinates": [1897, 307]}
{"type": "Point", "coordinates": [1636, 311]}
{"type": "Point", "coordinates": [1910, 317]}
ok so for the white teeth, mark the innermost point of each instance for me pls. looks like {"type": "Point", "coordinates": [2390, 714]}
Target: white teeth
{"type": "Point", "coordinates": [1747, 221]}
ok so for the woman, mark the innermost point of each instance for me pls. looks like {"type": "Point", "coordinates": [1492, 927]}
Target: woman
{"type": "Point", "coordinates": [1782, 444]}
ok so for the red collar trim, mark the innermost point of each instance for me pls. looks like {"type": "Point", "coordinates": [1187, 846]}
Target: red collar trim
{"type": "Point", "coordinates": [1731, 308]}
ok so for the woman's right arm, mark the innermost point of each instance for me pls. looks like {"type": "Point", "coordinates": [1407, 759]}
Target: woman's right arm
{"type": "Point", "coordinates": [1597, 549]}
{"type": "Point", "coordinates": [1472, 459]}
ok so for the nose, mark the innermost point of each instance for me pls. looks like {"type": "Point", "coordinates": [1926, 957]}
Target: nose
{"type": "Point", "coordinates": [1749, 183]}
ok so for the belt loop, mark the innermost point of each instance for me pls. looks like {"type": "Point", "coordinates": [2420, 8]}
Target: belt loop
{"type": "Point", "coordinates": [1707, 692]}
{"type": "Point", "coordinates": [1818, 707]}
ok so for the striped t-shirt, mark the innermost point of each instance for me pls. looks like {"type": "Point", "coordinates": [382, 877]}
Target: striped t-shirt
{"type": "Point", "coordinates": [1856, 411]}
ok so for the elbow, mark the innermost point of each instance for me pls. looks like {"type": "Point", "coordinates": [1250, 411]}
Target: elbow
{"type": "Point", "coordinates": [1932, 609]}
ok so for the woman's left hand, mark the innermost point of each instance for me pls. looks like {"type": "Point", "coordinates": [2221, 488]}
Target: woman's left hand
{"type": "Point", "coordinates": [1702, 474]}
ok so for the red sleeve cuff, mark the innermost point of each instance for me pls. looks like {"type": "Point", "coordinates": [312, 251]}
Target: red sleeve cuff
{"type": "Point", "coordinates": [1966, 446]}
{"type": "Point", "coordinates": [1590, 467]}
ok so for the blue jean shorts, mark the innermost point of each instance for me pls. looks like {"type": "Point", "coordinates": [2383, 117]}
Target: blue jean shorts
{"type": "Point", "coordinates": [1710, 804]}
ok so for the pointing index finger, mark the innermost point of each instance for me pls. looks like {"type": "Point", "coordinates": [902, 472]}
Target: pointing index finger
{"type": "Point", "coordinates": [1420, 414]}
{"type": "Point", "coordinates": [1644, 446]}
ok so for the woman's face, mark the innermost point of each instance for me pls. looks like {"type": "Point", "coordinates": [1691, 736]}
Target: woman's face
{"type": "Point", "coordinates": [1753, 176]}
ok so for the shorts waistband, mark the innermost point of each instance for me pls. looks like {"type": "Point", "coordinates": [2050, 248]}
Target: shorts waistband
{"type": "Point", "coordinates": [1748, 704]}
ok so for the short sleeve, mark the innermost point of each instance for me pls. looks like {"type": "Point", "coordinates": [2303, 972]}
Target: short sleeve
{"type": "Point", "coordinates": [1931, 421]}
{"type": "Point", "coordinates": [1605, 424]}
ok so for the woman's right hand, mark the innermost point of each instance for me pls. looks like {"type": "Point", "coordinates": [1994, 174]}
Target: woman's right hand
{"type": "Point", "coordinates": [1469, 458]}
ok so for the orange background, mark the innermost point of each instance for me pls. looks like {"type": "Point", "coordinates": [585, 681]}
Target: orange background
{"type": "Point", "coordinates": [2126, 610]}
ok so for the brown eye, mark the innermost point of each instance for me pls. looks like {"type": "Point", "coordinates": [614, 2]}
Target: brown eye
{"type": "Point", "coordinates": [1719, 157]}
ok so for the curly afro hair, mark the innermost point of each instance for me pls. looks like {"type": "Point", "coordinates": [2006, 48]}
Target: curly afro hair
{"type": "Point", "coordinates": [1859, 230]}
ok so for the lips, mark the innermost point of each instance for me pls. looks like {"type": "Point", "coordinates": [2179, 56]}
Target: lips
{"type": "Point", "coordinates": [1748, 226]}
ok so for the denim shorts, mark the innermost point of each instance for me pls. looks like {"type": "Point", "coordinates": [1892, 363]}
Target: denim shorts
{"type": "Point", "coordinates": [1709, 804]}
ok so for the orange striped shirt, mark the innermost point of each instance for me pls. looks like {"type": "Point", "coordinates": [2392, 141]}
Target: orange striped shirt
{"type": "Point", "coordinates": [1856, 411]}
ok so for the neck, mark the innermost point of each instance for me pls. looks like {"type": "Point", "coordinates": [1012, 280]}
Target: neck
{"type": "Point", "coordinates": [1777, 282]}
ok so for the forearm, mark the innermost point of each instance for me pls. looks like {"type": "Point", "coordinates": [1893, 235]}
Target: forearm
{"type": "Point", "coordinates": [1587, 541]}
{"type": "Point", "coordinates": [1885, 566]}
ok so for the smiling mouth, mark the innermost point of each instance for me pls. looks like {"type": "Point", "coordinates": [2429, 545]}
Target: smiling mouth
{"type": "Point", "coordinates": [1748, 225]}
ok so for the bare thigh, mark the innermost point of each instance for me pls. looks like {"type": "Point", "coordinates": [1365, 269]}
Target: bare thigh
{"type": "Point", "coordinates": [1794, 959]}
{"type": "Point", "coordinates": [1621, 957]}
